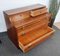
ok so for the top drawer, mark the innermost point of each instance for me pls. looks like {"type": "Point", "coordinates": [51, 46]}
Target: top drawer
{"type": "Point", "coordinates": [38, 12]}
{"type": "Point", "coordinates": [20, 16]}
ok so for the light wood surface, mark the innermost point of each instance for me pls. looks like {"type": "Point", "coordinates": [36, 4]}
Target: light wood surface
{"type": "Point", "coordinates": [34, 38]}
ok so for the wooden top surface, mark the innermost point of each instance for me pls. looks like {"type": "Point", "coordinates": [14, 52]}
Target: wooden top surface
{"type": "Point", "coordinates": [22, 9]}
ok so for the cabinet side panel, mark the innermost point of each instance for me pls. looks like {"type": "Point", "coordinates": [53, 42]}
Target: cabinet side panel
{"type": "Point", "coordinates": [11, 31]}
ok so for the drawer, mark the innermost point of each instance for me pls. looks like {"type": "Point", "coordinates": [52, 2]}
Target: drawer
{"type": "Point", "coordinates": [17, 17]}
{"type": "Point", "coordinates": [31, 26]}
{"type": "Point", "coordinates": [38, 12]}
{"type": "Point", "coordinates": [25, 15]}
{"type": "Point", "coordinates": [33, 38]}
{"type": "Point", "coordinates": [17, 24]}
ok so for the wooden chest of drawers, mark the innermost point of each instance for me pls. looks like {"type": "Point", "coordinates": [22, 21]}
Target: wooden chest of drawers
{"type": "Point", "coordinates": [28, 26]}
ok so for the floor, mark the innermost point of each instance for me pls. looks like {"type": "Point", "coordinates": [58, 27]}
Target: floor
{"type": "Point", "coordinates": [50, 47]}
{"type": "Point", "coordinates": [57, 24]}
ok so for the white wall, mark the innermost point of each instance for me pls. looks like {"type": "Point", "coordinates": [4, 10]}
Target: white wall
{"type": "Point", "coordinates": [44, 2]}
{"type": "Point", "coordinates": [11, 4]}
{"type": "Point", "coordinates": [57, 19]}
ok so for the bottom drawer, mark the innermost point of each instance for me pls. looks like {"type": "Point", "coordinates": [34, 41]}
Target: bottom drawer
{"type": "Point", "coordinates": [33, 38]}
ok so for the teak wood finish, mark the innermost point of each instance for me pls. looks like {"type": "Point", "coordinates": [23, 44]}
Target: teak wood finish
{"type": "Point", "coordinates": [28, 26]}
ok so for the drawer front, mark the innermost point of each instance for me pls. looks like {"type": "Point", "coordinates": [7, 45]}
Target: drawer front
{"type": "Point", "coordinates": [32, 26]}
{"type": "Point", "coordinates": [23, 41]}
{"type": "Point", "coordinates": [25, 15]}
{"type": "Point", "coordinates": [38, 12]}
{"type": "Point", "coordinates": [17, 17]}
{"type": "Point", "coordinates": [30, 20]}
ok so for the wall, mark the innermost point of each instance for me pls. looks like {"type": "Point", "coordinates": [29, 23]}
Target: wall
{"type": "Point", "coordinates": [10, 4]}
{"type": "Point", "coordinates": [57, 19]}
{"type": "Point", "coordinates": [44, 2]}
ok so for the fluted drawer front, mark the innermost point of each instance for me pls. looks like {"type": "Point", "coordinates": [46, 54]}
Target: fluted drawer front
{"type": "Point", "coordinates": [32, 26]}
{"type": "Point", "coordinates": [19, 23]}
